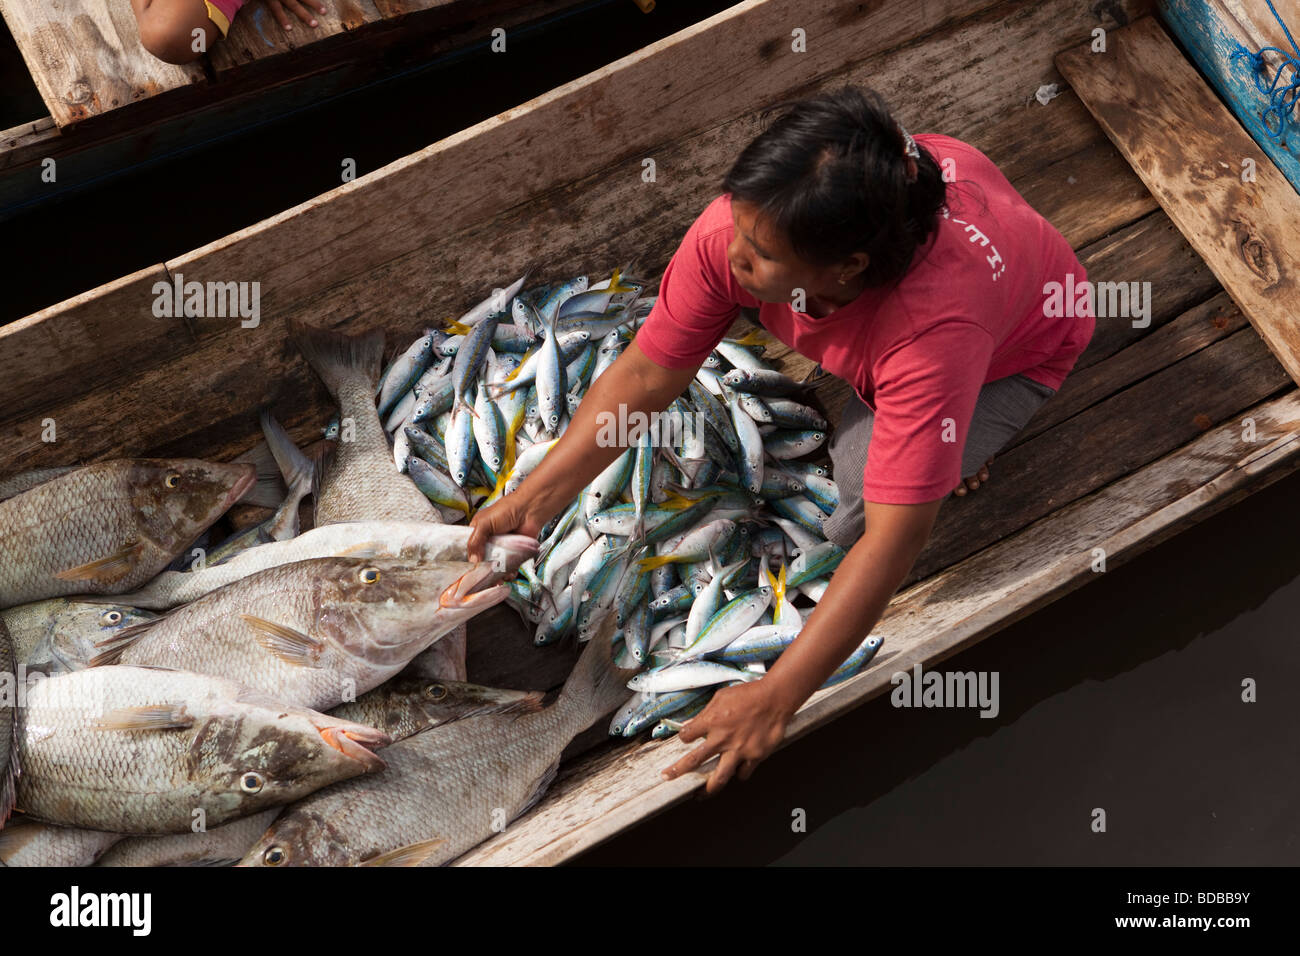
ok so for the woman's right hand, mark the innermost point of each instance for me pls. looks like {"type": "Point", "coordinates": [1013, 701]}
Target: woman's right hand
{"type": "Point", "coordinates": [515, 513]}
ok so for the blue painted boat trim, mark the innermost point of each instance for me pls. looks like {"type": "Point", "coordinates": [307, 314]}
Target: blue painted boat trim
{"type": "Point", "coordinates": [1211, 46]}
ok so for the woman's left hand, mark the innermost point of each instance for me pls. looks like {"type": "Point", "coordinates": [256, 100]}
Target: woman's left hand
{"type": "Point", "coordinates": [743, 723]}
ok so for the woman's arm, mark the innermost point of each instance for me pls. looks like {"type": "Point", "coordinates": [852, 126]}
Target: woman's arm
{"type": "Point", "coordinates": [633, 382]}
{"type": "Point", "coordinates": [745, 723]}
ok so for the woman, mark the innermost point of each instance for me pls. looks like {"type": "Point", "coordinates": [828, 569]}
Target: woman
{"type": "Point", "coordinates": [913, 270]}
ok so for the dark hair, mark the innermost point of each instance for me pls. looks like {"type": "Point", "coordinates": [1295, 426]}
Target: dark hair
{"type": "Point", "coordinates": [830, 172]}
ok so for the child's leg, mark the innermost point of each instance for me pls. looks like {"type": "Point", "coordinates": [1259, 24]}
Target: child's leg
{"type": "Point", "coordinates": [167, 28]}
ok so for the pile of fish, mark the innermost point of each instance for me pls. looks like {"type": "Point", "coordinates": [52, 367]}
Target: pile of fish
{"type": "Point", "coordinates": [698, 537]}
{"type": "Point", "coordinates": [288, 697]}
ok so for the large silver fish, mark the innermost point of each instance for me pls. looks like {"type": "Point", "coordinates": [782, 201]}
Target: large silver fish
{"type": "Point", "coordinates": [27, 842]}
{"type": "Point", "coordinates": [312, 633]}
{"type": "Point", "coordinates": [447, 789]}
{"type": "Point", "coordinates": [409, 704]}
{"type": "Point", "coordinates": [217, 846]}
{"type": "Point", "coordinates": [145, 749]}
{"type": "Point", "coordinates": [59, 635]}
{"type": "Point", "coordinates": [418, 541]}
{"type": "Point", "coordinates": [111, 526]}
{"type": "Point", "coordinates": [361, 482]}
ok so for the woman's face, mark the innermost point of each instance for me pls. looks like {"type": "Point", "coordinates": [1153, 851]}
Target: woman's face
{"type": "Point", "coordinates": [765, 266]}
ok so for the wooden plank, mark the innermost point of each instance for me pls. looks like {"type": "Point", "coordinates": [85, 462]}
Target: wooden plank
{"type": "Point", "coordinates": [1212, 30]}
{"type": "Point", "coordinates": [106, 334]}
{"type": "Point", "coordinates": [603, 794]}
{"type": "Point", "coordinates": [256, 35]}
{"type": "Point", "coordinates": [1202, 325]}
{"type": "Point", "coordinates": [1160, 113]}
{"type": "Point", "coordinates": [86, 57]}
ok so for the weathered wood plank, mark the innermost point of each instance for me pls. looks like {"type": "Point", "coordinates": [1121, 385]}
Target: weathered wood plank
{"type": "Point", "coordinates": [256, 35]}
{"type": "Point", "coordinates": [604, 793]}
{"type": "Point", "coordinates": [1200, 326]}
{"type": "Point", "coordinates": [86, 58]}
{"type": "Point", "coordinates": [1160, 113]}
{"type": "Point", "coordinates": [101, 335]}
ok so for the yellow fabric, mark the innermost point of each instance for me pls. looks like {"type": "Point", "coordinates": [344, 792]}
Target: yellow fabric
{"type": "Point", "coordinates": [217, 17]}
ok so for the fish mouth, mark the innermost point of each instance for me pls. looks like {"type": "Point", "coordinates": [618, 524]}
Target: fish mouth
{"type": "Point", "coordinates": [354, 741]}
{"type": "Point", "coordinates": [474, 590]}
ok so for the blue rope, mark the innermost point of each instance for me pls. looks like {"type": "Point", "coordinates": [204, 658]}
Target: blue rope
{"type": "Point", "coordinates": [1282, 96]}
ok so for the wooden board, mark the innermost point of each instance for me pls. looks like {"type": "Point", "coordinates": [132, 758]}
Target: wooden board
{"type": "Point", "coordinates": [598, 796]}
{"type": "Point", "coordinates": [1187, 147]}
{"type": "Point", "coordinates": [1212, 31]}
{"type": "Point", "coordinates": [86, 58]}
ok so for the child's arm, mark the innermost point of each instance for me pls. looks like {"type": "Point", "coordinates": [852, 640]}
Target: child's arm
{"type": "Point", "coordinates": [167, 28]}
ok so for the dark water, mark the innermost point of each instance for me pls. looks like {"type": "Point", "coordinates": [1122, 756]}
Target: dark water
{"type": "Point", "coordinates": [1125, 695]}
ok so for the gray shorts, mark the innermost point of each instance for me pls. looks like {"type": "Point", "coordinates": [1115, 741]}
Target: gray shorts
{"type": "Point", "coordinates": [1003, 408]}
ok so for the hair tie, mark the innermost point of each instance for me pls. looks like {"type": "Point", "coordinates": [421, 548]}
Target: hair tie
{"type": "Point", "coordinates": [911, 151]}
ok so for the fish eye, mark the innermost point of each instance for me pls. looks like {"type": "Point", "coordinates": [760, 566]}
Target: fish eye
{"type": "Point", "coordinates": [172, 479]}
{"type": "Point", "coordinates": [252, 782]}
{"type": "Point", "coordinates": [436, 691]}
{"type": "Point", "coordinates": [368, 575]}
{"type": "Point", "coordinates": [274, 856]}
{"type": "Point", "coordinates": [109, 618]}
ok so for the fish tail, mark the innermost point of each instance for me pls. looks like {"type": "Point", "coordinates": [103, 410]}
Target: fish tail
{"type": "Point", "coordinates": [597, 685]}
{"type": "Point", "coordinates": [268, 490]}
{"type": "Point", "coordinates": [338, 357]}
{"type": "Point", "coordinates": [297, 470]}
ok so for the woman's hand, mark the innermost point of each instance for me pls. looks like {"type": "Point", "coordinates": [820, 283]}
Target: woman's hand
{"type": "Point", "coordinates": [299, 8]}
{"type": "Point", "coordinates": [743, 723]}
{"type": "Point", "coordinates": [516, 513]}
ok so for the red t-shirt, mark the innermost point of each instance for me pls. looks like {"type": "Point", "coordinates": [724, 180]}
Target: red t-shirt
{"type": "Point", "coordinates": [971, 309]}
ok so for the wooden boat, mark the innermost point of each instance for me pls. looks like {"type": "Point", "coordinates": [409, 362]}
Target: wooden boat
{"type": "Point", "coordinates": [1162, 423]}
{"type": "Point", "coordinates": [111, 105]}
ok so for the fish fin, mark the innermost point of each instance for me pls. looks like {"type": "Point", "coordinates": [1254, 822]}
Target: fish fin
{"type": "Point", "coordinates": [339, 357]}
{"type": "Point", "coordinates": [297, 470]}
{"type": "Point", "coordinates": [457, 328]}
{"type": "Point", "coordinates": [107, 569]}
{"type": "Point", "coordinates": [148, 717]}
{"type": "Point", "coordinates": [288, 644]}
{"type": "Point", "coordinates": [413, 854]}
{"type": "Point", "coordinates": [754, 337]}
{"type": "Point", "coordinates": [656, 561]}
{"type": "Point", "coordinates": [269, 489]}
{"type": "Point", "coordinates": [543, 784]}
